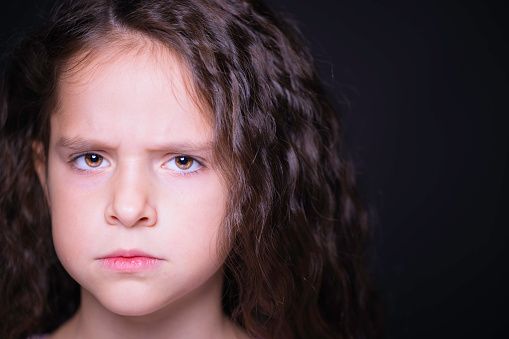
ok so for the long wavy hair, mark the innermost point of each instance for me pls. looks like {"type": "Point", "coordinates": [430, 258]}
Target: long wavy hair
{"type": "Point", "coordinates": [295, 227]}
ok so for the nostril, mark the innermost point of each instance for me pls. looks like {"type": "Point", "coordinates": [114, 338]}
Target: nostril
{"type": "Point", "coordinates": [147, 221]}
{"type": "Point", "coordinates": [128, 217]}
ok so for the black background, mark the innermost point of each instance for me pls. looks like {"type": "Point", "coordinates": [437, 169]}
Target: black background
{"type": "Point", "coordinates": [424, 94]}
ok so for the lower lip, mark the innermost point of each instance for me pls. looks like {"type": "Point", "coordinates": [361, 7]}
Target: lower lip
{"type": "Point", "coordinates": [130, 264]}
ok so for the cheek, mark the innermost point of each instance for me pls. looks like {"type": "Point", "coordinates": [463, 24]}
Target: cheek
{"type": "Point", "coordinates": [71, 239]}
{"type": "Point", "coordinates": [74, 217]}
{"type": "Point", "coordinates": [196, 221]}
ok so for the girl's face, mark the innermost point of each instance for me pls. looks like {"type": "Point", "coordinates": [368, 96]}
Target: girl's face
{"type": "Point", "coordinates": [136, 201]}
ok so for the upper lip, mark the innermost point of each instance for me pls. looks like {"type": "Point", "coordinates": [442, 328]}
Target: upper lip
{"type": "Point", "coordinates": [128, 254]}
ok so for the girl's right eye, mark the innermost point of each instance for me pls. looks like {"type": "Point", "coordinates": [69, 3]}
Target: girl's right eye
{"type": "Point", "coordinates": [90, 161]}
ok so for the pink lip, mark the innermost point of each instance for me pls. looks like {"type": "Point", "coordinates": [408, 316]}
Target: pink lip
{"type": "Point", "coordinates": [129, 261]}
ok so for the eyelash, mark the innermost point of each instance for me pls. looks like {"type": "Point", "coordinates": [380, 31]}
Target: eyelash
{"type": "Point", "coordinates": [83, 155]}
{"type": "Point", "coordinates": [185, 171]}
{"type": "Point", "coordinates": [193, 160]}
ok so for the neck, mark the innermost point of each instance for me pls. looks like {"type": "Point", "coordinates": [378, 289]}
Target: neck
{"type": "Point", "coordinates": [197, 315]}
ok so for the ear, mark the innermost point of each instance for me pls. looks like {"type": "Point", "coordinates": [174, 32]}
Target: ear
{"type": "Point", "coordinates": [39, 159]}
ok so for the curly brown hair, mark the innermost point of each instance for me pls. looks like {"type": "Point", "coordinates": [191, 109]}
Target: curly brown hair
{"type": "Point", "coordinates": [294, 222]}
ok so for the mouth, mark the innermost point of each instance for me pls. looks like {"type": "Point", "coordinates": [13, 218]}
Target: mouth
{"type": "Point", "coordinates": [129, 261]}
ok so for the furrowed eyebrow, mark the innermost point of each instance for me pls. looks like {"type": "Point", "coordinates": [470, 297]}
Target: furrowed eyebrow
{"type": "Point", "coordinates": [79, 144]}
{"type": "Point", "coordinates": [186, 147]}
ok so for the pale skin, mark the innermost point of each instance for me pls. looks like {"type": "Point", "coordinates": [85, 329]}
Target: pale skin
{"type": "Point", "coordinates": [130, 168]}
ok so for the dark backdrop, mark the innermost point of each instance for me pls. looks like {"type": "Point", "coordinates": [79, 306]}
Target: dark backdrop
{"type": "Point", "coordinates": [423, 87]}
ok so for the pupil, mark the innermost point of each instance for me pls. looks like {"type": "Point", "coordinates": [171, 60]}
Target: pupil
{"type": "Point", "coordinates": [93, 160]}
{"type": "Point", "coordinates": [183, 160]}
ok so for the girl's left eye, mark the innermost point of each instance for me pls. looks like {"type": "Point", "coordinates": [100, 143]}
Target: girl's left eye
{"type": "Point", "coordinates": [183, 163]}
{"type": "Point", "coordinates": [90, 161]}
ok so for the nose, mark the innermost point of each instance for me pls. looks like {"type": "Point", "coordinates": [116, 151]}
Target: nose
{"type": "Point", "coordinates": [130, 203]}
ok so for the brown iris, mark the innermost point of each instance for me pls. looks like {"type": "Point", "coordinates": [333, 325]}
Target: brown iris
{"type": "Point", "coordinates": [93, 160]}
{"type": "Point", "coordinates": [183, 162]}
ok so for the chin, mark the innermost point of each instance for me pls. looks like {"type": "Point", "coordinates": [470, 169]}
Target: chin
{"type": "Point", "coordinates": [130, 300]}
{"type": "Point", "coordinates": [131, 307]}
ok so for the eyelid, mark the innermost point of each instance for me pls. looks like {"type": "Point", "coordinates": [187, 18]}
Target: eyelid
{"type": "Point", "coordinates": [77, 156]}
{"type": "Point", "coordinates": [197, 160]}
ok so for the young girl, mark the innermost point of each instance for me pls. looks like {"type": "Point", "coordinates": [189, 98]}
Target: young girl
{"type": "Point", "coordinates": [172, 169]}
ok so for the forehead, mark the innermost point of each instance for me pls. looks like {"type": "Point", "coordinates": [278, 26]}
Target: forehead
{"type": "Point", "coordinates": [122, 51]}
{"type": "Point", "coordinates": [140, 88]}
